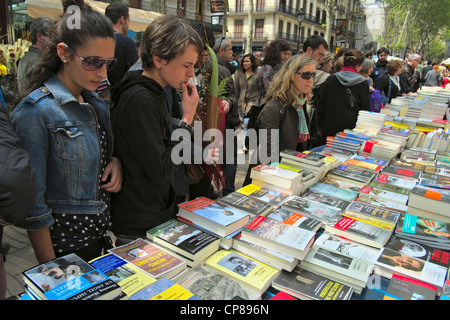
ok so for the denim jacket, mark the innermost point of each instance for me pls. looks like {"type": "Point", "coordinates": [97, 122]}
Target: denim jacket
{"type": "Point", "coordinates": [61, 136]}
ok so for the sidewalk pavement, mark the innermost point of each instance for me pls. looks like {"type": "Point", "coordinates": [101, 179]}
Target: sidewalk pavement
{"type": "Point", "coordinates": [21, 255]}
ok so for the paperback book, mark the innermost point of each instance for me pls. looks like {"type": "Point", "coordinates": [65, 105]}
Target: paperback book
{"type": "Point", "coordinates": [275, 175]}
{"type": "Point", "coordinates": [312, 209]}
{"type": "Point", "coordinates": [405, 288]}
{"type": "Point", "coordinates": [341, 184]}
{"type": "Point", "coordinates": [269, 196]}
{"type": "Point", "coordinates": [326, 199]}
{"type": "Point", "coordinates": [164, 289]}
{"type": "Point", "coordinates": [218, 218]}
{"type": "Point", "coordinates": [150, 258]}
{"type": "Point", "coordinates": [334, 191]}
{"type": "Point", "coordinates": [253, 206]}
{"type": "Point", "coordinates": [430, 199]}
{"type": "Point", "coordinates": [307, 285]}
{"type": "Point", "coordinates": [184, 239]}
{"type": "Point", "coordinates": [69, 278]}
{"type": "Point", "coordinates": [280, 236]}
{"type": "Point", "coordinates": [246, 270]}
{"type": "Point", "coordinates": [313, 158]}
{"type": "Point", "coordinates": [359, 231]}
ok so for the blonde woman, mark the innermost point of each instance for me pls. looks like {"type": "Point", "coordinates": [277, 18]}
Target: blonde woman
{"type": "Point", "coordinates": [286, 103]}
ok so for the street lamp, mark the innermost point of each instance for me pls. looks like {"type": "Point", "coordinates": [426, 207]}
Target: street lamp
{"type": "Point", "coordinates": [300, 18]}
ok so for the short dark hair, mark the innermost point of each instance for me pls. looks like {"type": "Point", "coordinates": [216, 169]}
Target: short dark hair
{"type": "Point", "coordinates": [314, 42]}
{"type": "Point", "coordinates": [115, 11]}
{"type": "Point", "coordinates": [40, 25]}
{"type": "Point", "coordinates": [381, 50]}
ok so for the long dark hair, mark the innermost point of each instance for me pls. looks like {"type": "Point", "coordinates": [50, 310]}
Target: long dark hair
{"type": "Point", "coordinates": [272, 53]}
{"type": "Point", "coordinates": [252, 59]}
{"type": "Point", "coordinates": [74, 33]}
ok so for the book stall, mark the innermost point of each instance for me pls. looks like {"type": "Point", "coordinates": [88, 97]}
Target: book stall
{"type": "Point", "coordinates": [365, 217]}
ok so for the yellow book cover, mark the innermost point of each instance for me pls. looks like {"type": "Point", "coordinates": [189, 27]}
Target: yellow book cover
{"type": "Point", "coordinates": [175, 292]}
{"type": "Point", "coordinates": [164, 289]}
{"type": "Point", "coordinates": [244, 269]}
{"type": "Point", "coordinates": [327, 159]}
{"type": "Point", "coordinates": [383, 225]}
{"type": "Point", "coordinates": [249, 189]}
{"type": "Point", "coordinates": [130, 278]}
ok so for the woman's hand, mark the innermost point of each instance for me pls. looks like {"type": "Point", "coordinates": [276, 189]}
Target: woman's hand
{"type": "Point", "coordinates": [114, 171]}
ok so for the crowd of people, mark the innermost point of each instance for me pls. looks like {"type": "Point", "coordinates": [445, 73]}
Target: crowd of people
{"type": "Point", "coordinates": [87, 151]}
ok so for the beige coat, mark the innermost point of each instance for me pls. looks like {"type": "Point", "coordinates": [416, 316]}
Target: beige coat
{"type": "Point", "coordinates": [247, 91]}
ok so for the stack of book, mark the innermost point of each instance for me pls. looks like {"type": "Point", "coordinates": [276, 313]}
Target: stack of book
{"type": "Point", "coordinates": [217, 218]}
{"type": "Point", "coordinates": [193, 244]}
{"type": "Point", "coordinates": [380, 149]}
{"type": "Point", "coordinates": [402, 172]}
{"type": "Point", "coordinates": [69, 278]}
{"type": "Point", "coordinates": [252, 205]}
{"type": "Point", "coordinates": [384, 197]}
{"type": "Point", "coordinates": [375, 215]}
{"type": "Point", "coordinates": [245, 270]}
{"type": "Point", "coordinates": [430, 232]}
{"type": "Point", "coordinates": [369, 122]}
{"type": "Point", "coordinates": [276, 178]}
{"type": "Point", "coordinates": [418, 155]}
{"type": "Point", "coordinates": [307, 285]}
{"type": "Point", "coordinates": [151, 258]}
{"type": "Point", "coordinates": [430, 203]}
{"type": "Point", "coordinates": [338, 266]}
{"type": "Point", "coordinates": [352, 174]}
{"type": "Point", "coordinates": [309, 161]}
{"type": "Point", "coordinates": [312, 209]}
{"type": "Point", "coordinates": [343, 144]}
{"type": "Point", "coordinates": [266, 195]}
{"type": "Point", "coordinates": [392, 262]}
{"type": "Point", "coordinates": [279, 236]}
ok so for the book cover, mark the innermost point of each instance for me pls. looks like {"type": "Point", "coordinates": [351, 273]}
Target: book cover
{"type": "Point", "coordinates": [311, 157]}
{"type": "Point", "coordinates": [272, 197]}
{"type": "Point", "coordinates": [243, 269]}
{"type": "Point", "coordinates": [183, 238]}
{"type": "Point", "coordinates": [164, 289]}
{"type": "Point", "coordinates": [419, 250]}
{"type": "Point", "coordinates": [252, 205]}
{"type": "Point", "coordinates": [347, 247]}
{"type": "Point", "coordinates": [216, 217]}
{"type": "Point", "coordinates": [312, 209]}
{"type": "Point", "coordinates": [369, 191]}
{"type": "Point", "coordinates": [364, 209]}
{"type": "Point", "coordinates": [395, 181]}
{"type": "Point", "coordinates": [307, 285]}
{"type": "Point", "coordinates": [331, 190]}
{"type": "Point", "coordinates": [275, 235]}
{"type": "Point", "coordinates": [392, 262]}
{"type": "Point", "coordinates": [303, 222]}
{"type": "Point", "coordinates": [341, 184]}
{"type": "Point", "coordinates": [405, 288]}
{"type": "Point", "coordinates": [129, 277]}
{"type": "Point", "coordinates": [363, 164]}
{"type": "Point", "coordinates": [150, 258]}
{"type": "Point", "coordinates": [402, 172]}
{"type": "Point", "coordinates": [69, 278]}
{"type": "Point", "coordinates": [372, 160]}
{"type": "Point", "coordinates": [208, 284]}
{"type": "Point", "coordinates": [326, 199]}
{"type": "Point", "coordinates": [347, 172]}
{"type": "Point", "coordinates": [420, 228]}
{"type": "Point", "coordinates": [360, 231]}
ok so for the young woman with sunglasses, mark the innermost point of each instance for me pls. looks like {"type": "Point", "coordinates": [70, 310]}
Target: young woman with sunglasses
{"type": "Point", "coordinates": [285, 108]}
{"type": "Point", "coordinates": [66, 129]}
{"type": "Point", "coordinates": [142, 124]}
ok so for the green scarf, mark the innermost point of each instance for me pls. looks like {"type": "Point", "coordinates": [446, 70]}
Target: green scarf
{"type": "Point", "coordinates": [303, 132]}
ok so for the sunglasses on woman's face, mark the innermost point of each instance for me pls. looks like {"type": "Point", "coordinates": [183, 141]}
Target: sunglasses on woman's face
{"type": "Point", "coordinates": [307, 75]}
{"type": "Point", "coordinates": [92, 63]}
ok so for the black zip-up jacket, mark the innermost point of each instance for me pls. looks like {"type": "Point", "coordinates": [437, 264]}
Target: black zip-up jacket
{"type": "Point", "coordinates": [142, 142]}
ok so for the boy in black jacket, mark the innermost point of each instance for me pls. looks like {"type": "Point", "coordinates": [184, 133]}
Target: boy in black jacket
{"type": "Point", "coordinates": [140, 112]}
